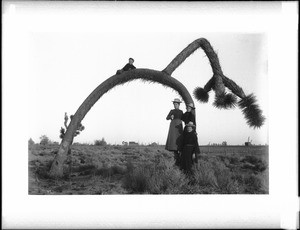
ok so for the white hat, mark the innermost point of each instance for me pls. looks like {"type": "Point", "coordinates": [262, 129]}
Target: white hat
{"type": "Point", "coordinates": [176, 100]}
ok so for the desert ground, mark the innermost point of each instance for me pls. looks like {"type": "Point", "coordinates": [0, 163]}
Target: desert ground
{"type": "Point", "coordinates": [118, 169]}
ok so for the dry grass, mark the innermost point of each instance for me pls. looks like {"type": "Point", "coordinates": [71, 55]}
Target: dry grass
{"type": "Point", "coordinates": [149, 170]}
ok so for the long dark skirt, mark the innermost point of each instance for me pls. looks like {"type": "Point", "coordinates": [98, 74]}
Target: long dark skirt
{"type": "Point", "coordinates": [175, 130]}
{"type": "Point", "coordinates": [186, 161]}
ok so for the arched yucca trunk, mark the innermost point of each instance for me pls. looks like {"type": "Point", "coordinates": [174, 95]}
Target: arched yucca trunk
{"type": "Point", "coordinates": [222, 81]}
{"type": "Point", "coordinates": [218, 83]}
{"type": "Point", "coordinates": [144, 74]}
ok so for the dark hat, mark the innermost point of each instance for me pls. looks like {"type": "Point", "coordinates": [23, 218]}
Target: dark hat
{"type": "Point", "coordinates": [131, 59]}
{"type": "Point", "coordinates": [191, 105]}
{"type": "Point", "coordinates": [190, 124]}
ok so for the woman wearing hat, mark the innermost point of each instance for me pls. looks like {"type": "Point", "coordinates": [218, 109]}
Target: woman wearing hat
{"type": "Point", "coordinates": [189, 115]}
{"type": "Point", "coordinates": [189, 148]}
{"type": "Point", "coordinates": [175, 129]}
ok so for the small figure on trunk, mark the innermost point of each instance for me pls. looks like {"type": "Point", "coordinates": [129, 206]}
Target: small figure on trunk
{"type": "Point", "coordinates": [128, 66]}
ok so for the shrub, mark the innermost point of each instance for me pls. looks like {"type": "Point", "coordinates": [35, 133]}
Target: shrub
{"type": "Point", "coordinates": [225, 182]}
{"type": "Point", "coordinates": [253, 184]}
{"type": "Point", "coordinates": [30, 142]}
{"type": "Point", "coordinates": [101, 142]}
{"type": "Point", "coordinates": [249, 183]}
{"type": "Point", "coordinates": [160, 177]}
{"type": "Point", "coordinates": [204, 174]}
{"type": "Point", "coordinates": [215, 177]}
{"type": "Point", "coordinates": [254, 163]}
{"type": "Point", "coordinates": [44, 140]}
{"type": "Point", "coordinates": [63, 131]}
{"type": "Point", "coordinates": [116, 169]}
{"type": "Point", "coordinates": [251, 159]}
{"type": "Point", "coordinates": [264, 178]}
{"type": "Point", "coordinates": [106, 171]}
{"type": "Point", "coordinates": [137, 180]}
{"type": "Point", "coordinates": [86, 169]}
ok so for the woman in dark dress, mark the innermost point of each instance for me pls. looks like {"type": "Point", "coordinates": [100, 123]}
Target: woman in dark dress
{"type": "Point", "coordinates": [189, 115]}
{"type": "Point", "coordinates": [189, 148]}
{"type": "Point", "coordinates": [175, 129]}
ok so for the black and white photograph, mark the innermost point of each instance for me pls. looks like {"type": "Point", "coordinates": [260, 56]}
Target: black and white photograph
{"type": "Point", "coordinates": [132, 107]}
{"type": "Point", "coordinates": [148, 130]}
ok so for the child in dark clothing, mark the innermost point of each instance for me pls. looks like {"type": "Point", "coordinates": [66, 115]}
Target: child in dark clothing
{"type": "Point", "coordinates": [189, 148]}
{"type": "Point", "coordinates": [128, 66]}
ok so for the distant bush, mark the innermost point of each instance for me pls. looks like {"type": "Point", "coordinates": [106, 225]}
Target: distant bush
{"type": "Point", "coordinates": [30, 142]}
{"type": "Point", "coordinates": [101, 142]}
{"type": "Point", "coordinates": [63, 130]}
{"type": "Point", "coordinates": [44, 140]}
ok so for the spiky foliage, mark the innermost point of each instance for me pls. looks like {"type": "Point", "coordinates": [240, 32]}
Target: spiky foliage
{"type": "Point", "coordinates": [225, 101]}
{"type": "Point", "coordinates": [251, 111]}
{"type": "Point", "coordinates": [201, 95]}
{"type": "Point", "coordinates": [63, 131]}
{"type": "Point", "coordinates": [247, 101]}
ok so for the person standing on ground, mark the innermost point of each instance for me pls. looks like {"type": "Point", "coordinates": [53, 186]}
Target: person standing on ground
{"type": "Point", "coordinates": [189, 115]}
{"type": "Point", "coordinates": [189, 148]}
{"type": "Point", "coordinates": [175, 130]}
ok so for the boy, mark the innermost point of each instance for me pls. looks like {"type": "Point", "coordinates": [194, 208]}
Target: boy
{"type": "Point", "coordinates": [128, 66]}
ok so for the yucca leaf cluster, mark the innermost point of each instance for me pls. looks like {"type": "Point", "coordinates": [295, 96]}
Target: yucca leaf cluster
{"type": "Point", "coordinates": [63, 130]}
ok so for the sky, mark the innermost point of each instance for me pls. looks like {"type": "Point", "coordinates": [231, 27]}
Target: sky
{"type": "Point", "coordinates": [66, 64]}
{"type": "Point", "coordinates": [66, 67]}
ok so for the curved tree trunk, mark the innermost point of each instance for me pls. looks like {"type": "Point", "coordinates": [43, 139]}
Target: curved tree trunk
{"type": "Point", "coordinates": [214, 62]}
{"type": "Point", "coordinates": [251, 110]}
{"type": "Point", "coordinates": [144, 74]}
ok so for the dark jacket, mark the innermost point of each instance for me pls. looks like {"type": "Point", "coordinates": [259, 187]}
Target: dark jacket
{"type": "Point", "coordinates": [189, 138]}
{"type": "Point", "coordinates": [128, 67]}
{"type": "Point", "coordinates": [187, 117]}
{"type": "Point", "coordinates": [188, 147]}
